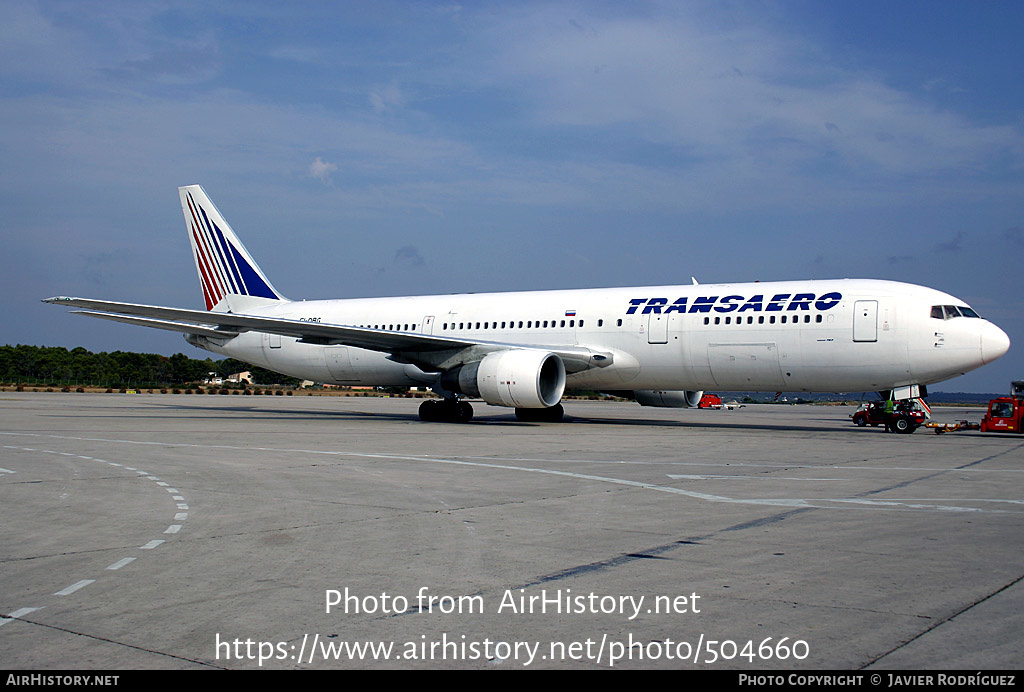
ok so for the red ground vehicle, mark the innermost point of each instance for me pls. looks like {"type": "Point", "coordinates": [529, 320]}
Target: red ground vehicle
{"type": "Point", "coordinates": [710, 401]}
{"type": "Point", "coordinates": [906, 416]}
{"type": "Point", "coordinates": [871, 413]}
{"type": "Point", "coordinates": [1006, 413]}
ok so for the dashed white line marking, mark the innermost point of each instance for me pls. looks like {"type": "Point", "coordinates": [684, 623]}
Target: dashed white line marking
{"type": "Point", "coordinates": [172, 529]}
{"type": "Point", "coordinates": [74, 587]}
{"type": "Point", "coordinates": [17, 614]}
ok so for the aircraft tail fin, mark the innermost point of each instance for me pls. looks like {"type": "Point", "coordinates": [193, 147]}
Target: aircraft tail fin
{"type": "Point", "coordinates": [230, 278]}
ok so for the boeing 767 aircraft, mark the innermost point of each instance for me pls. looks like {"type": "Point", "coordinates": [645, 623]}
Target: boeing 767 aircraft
{"type": "Point", "coordinates": [665, 344]}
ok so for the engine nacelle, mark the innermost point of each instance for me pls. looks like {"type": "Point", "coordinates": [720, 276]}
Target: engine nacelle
{"type": "Point", "coordinates": [668, 398]}
{"type": "Point", "coordinates": [521, 378]}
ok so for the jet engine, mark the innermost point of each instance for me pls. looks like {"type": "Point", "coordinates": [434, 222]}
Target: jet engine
{"type": "Point", "coordinates": [668, 398]}
{"type": "Point", "coordinates": [521, 378]}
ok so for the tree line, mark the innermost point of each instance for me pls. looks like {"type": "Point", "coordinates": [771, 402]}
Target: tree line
{"type": "Point", "coordinates": [55, 365]}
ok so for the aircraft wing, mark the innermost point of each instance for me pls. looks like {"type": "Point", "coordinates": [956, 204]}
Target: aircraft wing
{"type": "Point", "coordinates": [427, 351]}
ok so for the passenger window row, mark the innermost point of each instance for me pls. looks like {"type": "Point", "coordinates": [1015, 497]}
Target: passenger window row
{"type": "Point", "coordinates": [937, 311]}
{"type": "Point", "coordinates": [529, 324]}
{"type": "Point", "coordinates": [389, 327]}
{"type": "Point", "coordinates": [763, 319]}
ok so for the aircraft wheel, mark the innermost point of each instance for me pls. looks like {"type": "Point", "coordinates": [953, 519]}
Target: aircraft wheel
{"type": "Point", "coordinates": [429, 410]}
{"type": "Point", "coordinates": [435, 411]}
{"type": "Point", "coordinates": [552, 414]}
{"type": "Point", "coordinates": [462, 413]}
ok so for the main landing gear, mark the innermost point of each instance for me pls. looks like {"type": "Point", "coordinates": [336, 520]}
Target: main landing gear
{"type": "Point", "coordinates": [446, 411]}
{"type": "Point", "coordinates": [552, 414]}
{"type": "Point", "coordinates": [455, 411]}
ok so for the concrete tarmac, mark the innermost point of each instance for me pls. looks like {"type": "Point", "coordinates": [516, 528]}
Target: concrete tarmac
{"type": "Point", "coordinates": [172, 531]}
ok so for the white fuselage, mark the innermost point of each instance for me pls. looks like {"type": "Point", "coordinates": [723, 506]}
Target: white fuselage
{"type": "Point", "coordinates": [835, 335]}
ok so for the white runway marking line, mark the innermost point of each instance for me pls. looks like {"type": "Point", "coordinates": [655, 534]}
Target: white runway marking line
{"type": "Point", "coordinates": [705, 477]}
{"type": "Point", "coordinates": [20, 612]}
{"type": "Point", "coordinates": [121, 563]}
{"type": "Point", "coordinates": [850, 503]}
{"type": "Point", "coordinates": [74, 587]}
{"type": "Point", "coordinates": [174, 528]}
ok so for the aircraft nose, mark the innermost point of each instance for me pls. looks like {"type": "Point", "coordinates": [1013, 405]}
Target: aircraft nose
{"type": "Point", "coordinates": [994, 342]}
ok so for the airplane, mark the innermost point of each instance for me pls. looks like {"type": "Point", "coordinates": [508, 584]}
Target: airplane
{"type": "Point", "coordinates": [662, 345]}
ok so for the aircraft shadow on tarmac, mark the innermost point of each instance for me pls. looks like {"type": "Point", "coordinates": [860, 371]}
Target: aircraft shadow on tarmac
{"type": "Point", "coordinates": [502, 418]}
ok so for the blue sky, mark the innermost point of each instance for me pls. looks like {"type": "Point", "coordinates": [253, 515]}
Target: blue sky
{"type": "Point", "coordinates": [394, 148]}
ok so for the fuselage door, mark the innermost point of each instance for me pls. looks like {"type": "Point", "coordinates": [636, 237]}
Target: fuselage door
{"type": "Point", "coordinates": [865, 320]}
{"type": "Point", "coordinates": [427, 327]}
{"type": "Point", "coordinates": [340, 364]}
{"type": "Point", "coordinates": [657, 329]}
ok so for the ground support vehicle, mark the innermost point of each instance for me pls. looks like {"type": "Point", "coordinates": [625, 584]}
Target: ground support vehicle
{"type": "Point", "coordinates": [903, 416]}
{"type": "Point", "coordinates": [1006, 413]}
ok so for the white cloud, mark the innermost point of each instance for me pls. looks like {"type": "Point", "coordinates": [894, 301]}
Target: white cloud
{"type": "Point", "coordinates": [322, 170]}
{"type": "Point", "coordinates": [742, 94]}
{"type": "Point", "coordinates": [387, 99]}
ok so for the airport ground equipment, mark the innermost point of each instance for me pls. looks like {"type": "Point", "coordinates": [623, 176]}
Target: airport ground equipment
{"type": "Point", "coordinates": [1006, 413]}
{"type": "Point", "coordinates": [905, 416]}
{"type": "Point", "coordinates": [940, 428]}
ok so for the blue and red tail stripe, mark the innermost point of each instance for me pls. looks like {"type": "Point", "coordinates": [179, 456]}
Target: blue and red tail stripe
{"type": "Point", "coordinates": [223, 268]}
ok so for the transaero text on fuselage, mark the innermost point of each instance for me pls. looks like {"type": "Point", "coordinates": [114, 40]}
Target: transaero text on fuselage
{"type": "Point", "coordinates": [735, 303]}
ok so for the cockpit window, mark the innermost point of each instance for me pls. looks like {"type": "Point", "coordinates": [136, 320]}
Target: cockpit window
{"type": "Point", "coordinates": [948, 312]}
